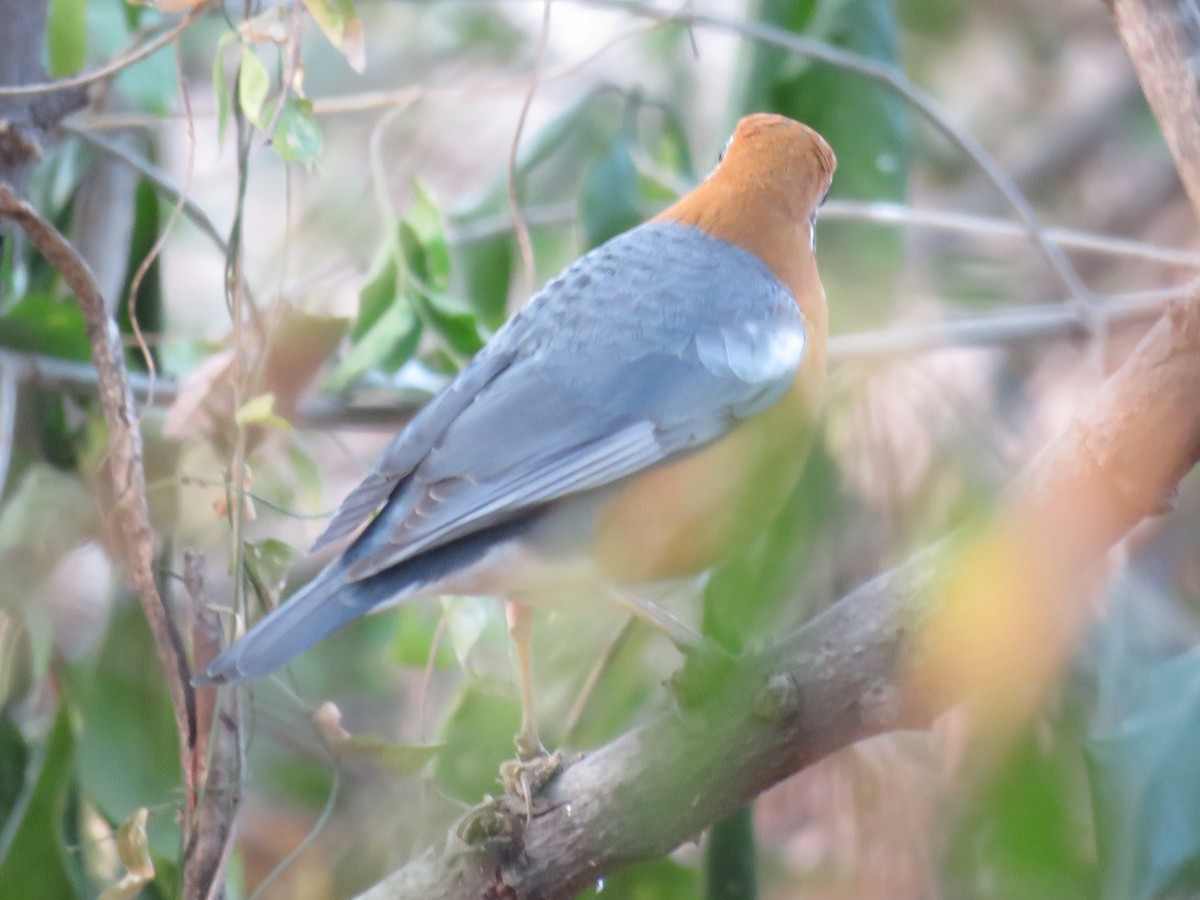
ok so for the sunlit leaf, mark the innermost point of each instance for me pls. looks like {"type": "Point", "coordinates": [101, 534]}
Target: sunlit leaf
{"type": "Point", "coordinates": [260, 410]}
{"type": "Point", "coordinates": [254, 83]}
{"type": "Point", "coordinates": [297, 137]}
{"type": "Point", "coordinates": [340, 23]}
{"type": "Point", "coordinates": [66, 36]}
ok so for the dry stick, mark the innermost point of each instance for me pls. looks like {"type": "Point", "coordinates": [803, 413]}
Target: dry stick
{"type": "Point", "coordinates": [125, 466]}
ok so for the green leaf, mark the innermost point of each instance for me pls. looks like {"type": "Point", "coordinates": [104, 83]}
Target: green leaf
{"type": "Point", "coordinates": [297, 136]}
{"type": "Point", "coordinates": [377, 294]}
{"type": "Point", "coordinates": [397, 758]}
{"type": "Point", "coordinates": [125, 703]}
{"type": "Point", "coordinates": [424, 221]}
{"type": "Point", "coordinates": [66, 36]}
{"type": "Point", "coordinates": [33, 860]}
{"type": "Point", "coordinates": [41, 323]}
{"type": "Point", "coordinates": [610, 201]}
{"type": "Point", "coordinates": [485, 267]}
{"type": "Point", "coordinates": [340, 23]}
{"type": "Point", "coordinates": [453, 321]}
{"type": "Point", "coordinates": [389, 344]}
{"type": "Point", "coordinates": [254, 83]}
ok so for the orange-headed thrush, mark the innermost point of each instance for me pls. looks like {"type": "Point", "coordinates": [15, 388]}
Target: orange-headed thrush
{"type": "Point", "coordinates": [639, 420]}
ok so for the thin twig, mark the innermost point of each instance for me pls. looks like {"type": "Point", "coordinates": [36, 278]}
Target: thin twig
{"type": "Point", "coordinates": [514, 199]}
{"type": "Point", "coordinates": [559, 214]}
{"type": "Point", "coordinates": [161, 239]}
{"type": "Point", "coordinates": [120, 63]}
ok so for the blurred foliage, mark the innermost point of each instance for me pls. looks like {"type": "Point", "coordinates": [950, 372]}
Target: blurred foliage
{"type": "Point", "coordinates": [1099, 797]}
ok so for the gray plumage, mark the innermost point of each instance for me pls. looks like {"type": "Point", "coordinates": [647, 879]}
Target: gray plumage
{"type": "Point", "coordinates": [647, 347]}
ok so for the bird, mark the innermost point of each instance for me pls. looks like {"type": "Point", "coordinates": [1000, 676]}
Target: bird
{"type": "Point", "coordinates": [640, 420]}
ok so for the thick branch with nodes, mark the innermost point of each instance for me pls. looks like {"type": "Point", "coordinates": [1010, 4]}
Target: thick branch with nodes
{"type": "Point", "coordinates": [855, 670]}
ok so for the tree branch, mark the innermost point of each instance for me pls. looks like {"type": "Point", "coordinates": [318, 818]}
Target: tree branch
{"type": "Point", "coordinates": [878, 660]}
{"type": "Point", "coordinates": [127, 476]}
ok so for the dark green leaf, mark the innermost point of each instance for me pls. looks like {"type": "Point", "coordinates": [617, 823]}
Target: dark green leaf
{"type": "Point", "coordinates": [39, 323]}
{"type": "Point", "coordinates": [611, 201]}
{"type": "Point", "coordinates": [454, 322]}
{"type": "Point", "coordinates": [33, 860]}
{"type": "Point", "coordinates": [485, 266]}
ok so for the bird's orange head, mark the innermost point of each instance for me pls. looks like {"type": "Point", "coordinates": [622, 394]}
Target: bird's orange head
{"type": "Point", "coordinates": [763, 195]}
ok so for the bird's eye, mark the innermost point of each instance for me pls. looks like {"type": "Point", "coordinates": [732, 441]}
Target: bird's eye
{"type": "Point", "coordinates": [724, 150]}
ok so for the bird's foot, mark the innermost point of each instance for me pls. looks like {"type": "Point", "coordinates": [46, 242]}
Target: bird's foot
{"type": "Point", "coordinates": [522, 778]}
{"type": "Point", "coordinates": [706, 664]}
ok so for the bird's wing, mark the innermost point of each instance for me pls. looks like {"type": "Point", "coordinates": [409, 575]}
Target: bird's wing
{"type": "Point", "coordinates": [654, 344]}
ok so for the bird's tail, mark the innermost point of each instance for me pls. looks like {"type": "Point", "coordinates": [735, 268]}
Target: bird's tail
{"type": "Point", "coordinates": [317, 610]}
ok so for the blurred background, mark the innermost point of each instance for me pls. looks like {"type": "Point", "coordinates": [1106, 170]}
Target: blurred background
{"type": "Point", "coordinates": [359, 178]}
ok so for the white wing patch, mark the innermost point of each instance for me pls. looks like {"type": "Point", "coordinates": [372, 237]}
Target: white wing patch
{"type": "Point", "coordinates": [754, 351]}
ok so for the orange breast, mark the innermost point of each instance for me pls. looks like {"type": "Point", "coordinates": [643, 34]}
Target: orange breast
{"type": "Point", "coordinates": [687, 515]}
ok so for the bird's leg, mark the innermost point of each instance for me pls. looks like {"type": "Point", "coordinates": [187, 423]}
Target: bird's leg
{"type": "Point", "coordinates": [520, 630]}
{"type": "Point", "coordinates": [681, 635]}
{"type": "Point", "coordinates": [533, 767]}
